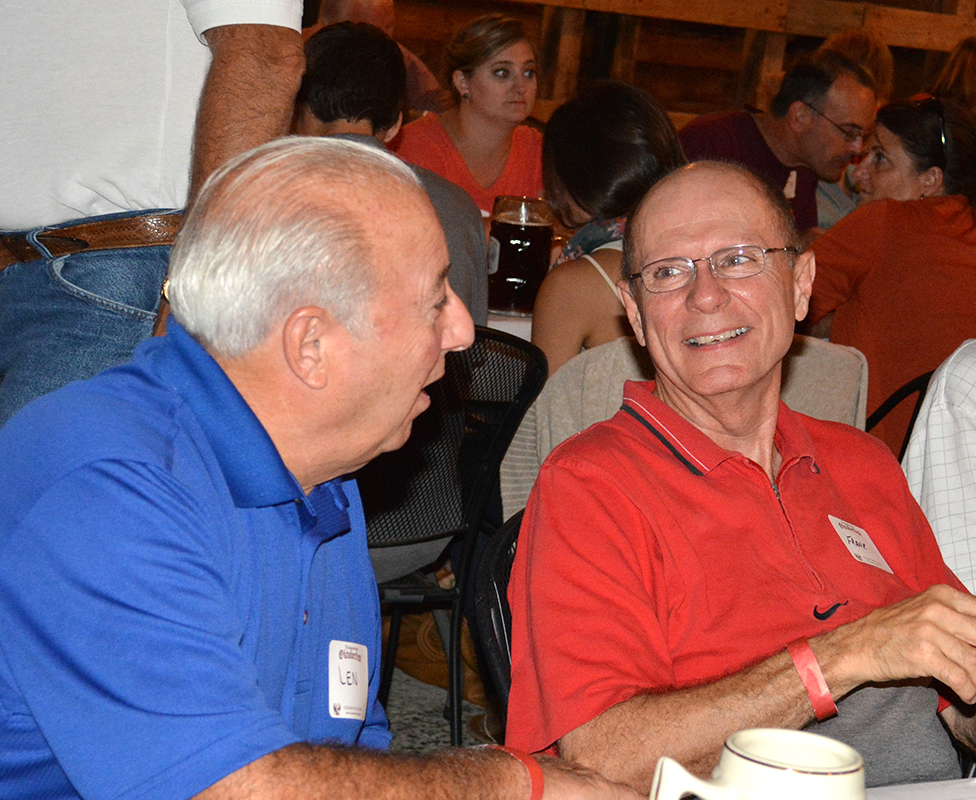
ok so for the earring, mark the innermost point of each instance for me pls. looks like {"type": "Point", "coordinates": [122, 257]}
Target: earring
{"type": "Point", "coordinates": [466, 96]}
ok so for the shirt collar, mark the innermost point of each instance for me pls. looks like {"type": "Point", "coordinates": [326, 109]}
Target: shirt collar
{"type": "Point", "coordinates": [331, 508]}
{"type": "Point", "coordinates": [693, 447]}
{"type": "Point", "coordinates": [251, 465]}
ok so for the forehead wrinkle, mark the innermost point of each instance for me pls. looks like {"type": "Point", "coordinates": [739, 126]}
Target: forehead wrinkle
{"type": "Point", "coordinates": [706, 221]}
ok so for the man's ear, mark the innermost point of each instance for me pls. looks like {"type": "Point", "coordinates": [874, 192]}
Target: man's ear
{"type": "Point", "coordinates": [632, 307]}
{"type": "Point", "coordinates": [308, 343]}
{"type": "Point", "coordinates": [390, 133]}
{"type": "Point", "coordinates": [804, 271]}
{"type": "Point", "coordinates": [799, 116]}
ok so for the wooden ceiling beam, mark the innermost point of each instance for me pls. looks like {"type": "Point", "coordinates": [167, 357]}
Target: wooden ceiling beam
{"type": "Point", "coordinates": [899, 27]}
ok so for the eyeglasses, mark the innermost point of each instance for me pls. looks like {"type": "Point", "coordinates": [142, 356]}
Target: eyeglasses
{"type": "Point", "coordinates": [729, 263]}
{"type": "Point", "coordinates": [849, 131]}
{"type": "Point", "coordinates": [934, 104]}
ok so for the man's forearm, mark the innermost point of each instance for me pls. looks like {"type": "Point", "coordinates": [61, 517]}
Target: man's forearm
{"type": "Point", "coordinates": [248, 97]}
{"type": "Point", "coordinates": [689, 725]}
{"type": "Point", "coordinates": [302, 772]}
{"type": "Point", "coordinates": [931, 635]}
{"type": "Point", "coordinates": [305, 772]}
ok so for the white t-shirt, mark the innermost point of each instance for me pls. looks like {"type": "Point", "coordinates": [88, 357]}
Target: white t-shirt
{"type": "Point", "coordinates": [99, 101]}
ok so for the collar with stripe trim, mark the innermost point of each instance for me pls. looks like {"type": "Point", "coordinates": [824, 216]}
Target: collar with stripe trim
{"type": "Point", "coordinates": [692, 447]}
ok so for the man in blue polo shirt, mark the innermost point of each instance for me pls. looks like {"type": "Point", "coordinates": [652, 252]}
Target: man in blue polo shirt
{"type": "Point", "coordinates": [186, 601]}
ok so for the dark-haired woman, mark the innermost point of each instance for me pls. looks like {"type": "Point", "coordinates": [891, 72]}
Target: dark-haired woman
{"type": "Point", "coordinates": [897, 277]}
{"type": "Point", "coordinates": [600, 155]}
{"type": "Point", "coordinates": [480, 143]}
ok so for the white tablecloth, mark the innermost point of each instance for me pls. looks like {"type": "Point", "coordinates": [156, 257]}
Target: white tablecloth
{"type": "Point", "coordinates": [517, 326]}
{"type": "Point", "coordinates": [963, 789]}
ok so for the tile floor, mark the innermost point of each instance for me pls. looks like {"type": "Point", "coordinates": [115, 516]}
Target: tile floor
{"type": "Point", "coordinates": [416, 713]}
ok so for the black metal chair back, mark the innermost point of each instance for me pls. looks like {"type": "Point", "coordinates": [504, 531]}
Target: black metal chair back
{"type": "Point", "coordinates": [439, 485]}
{"type": "Point", "coordinates": [917, 385]}
{"type": "Point", "coordinates": [492, 614]}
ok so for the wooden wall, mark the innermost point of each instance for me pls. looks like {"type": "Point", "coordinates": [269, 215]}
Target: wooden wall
{"type": "Point", "coordinates": [695, 55]}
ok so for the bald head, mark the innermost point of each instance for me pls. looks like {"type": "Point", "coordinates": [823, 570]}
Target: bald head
{"type": "Point", "coordinates": [716, 337]}
{"type": "Point", "coordinates": [705, 180]}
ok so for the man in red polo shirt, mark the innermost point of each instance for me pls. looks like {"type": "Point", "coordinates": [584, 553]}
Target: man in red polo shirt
{"type": "Point", "coordinates": [708, 560]}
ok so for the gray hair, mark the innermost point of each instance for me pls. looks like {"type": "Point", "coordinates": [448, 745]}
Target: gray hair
{"type": "Point", "coordinates": [261, 240]}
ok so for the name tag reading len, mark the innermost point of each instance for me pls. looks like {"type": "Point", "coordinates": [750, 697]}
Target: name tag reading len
{"type": "Point", "coordinates": [348, 680]}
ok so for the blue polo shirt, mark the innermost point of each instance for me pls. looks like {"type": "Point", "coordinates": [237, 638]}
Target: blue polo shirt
{"type": "Point", "coordinates": [168, 594]}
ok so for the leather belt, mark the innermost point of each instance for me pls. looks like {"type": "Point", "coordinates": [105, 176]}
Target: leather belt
{"type": "Point", "coordinates": [147, 230]}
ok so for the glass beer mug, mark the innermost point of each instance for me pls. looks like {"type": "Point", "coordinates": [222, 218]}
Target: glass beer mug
{"type": "Point", "coordinates": [519, 250]}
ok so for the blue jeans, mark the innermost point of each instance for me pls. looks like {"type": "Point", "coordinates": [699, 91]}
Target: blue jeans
{"type": "Point", "coordinates": [68, 318]}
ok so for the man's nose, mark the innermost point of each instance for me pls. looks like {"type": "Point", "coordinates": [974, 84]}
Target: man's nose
{"type": "Point", "coordinates": [706, 292]}
{"type": "Point", "coordinates": [856, 147]}
{"type": "Point", "coordinates": [459, 327]}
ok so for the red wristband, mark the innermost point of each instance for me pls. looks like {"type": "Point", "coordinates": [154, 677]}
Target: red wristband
{"type": "Point", "coordinates": [537, 782]}
{"type": "Point", "coordinates": [813, 680]}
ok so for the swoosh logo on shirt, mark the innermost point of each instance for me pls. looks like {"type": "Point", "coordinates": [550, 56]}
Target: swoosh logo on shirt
{"type": "Point", "coordinates": [822, 615]}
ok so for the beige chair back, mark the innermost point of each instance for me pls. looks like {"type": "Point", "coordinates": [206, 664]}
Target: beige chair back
{"type": "Point", "coordinates": [820, 379]}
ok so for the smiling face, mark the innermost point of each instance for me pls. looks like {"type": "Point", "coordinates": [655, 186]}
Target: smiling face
{"type": "Point", "coordinates": [416, 318]}
{"type": "Point", "coordinates": [503, 87]}
{"type": "Point", "coordinates": [823, 148]}
{"type": "Point", "coordinates": [714, 336]}
{"type": "Point", "coordinates": [888, 171]}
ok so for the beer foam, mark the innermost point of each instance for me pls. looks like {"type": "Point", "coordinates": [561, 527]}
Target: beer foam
{"type": "Point", "coordinates": [514, 218]}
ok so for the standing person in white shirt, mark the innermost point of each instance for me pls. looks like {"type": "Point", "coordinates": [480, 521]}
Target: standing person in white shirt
{"type": "Point", "coordinates": [940, 461]}
{"type": "Point", "coordinates": [113, 116]}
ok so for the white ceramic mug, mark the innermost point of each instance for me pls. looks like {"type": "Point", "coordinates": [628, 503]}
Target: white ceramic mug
{"type": "Point", "coordinates": [770, 764]}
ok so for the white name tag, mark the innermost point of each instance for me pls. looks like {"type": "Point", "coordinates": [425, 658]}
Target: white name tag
{"type": "Point", "coordinates": [348, 680]}
{"type": "Point", "coordinates": [859, 543]}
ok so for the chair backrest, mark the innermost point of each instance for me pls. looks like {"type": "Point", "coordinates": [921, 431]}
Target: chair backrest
{"type": "Point", "coordinates": [439, 483]}
{"type": "Point", "coordinates": [920, 386]}
{"type": "Point", "coordinates": [492, 615]}
{"type": "Point", "coordinates": [821, 379]}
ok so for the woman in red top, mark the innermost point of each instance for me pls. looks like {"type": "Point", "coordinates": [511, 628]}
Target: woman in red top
{"type": "Point", "coordinates": [896, 278]}
{"type": "Point", "coordinates": [480, 143]}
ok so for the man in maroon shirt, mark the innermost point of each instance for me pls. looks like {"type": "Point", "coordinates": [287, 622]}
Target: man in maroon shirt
{"type": "Point", "coordinates": [815, 127]}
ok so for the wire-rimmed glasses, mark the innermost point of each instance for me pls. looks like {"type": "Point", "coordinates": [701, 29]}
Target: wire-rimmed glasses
{"type": "Point", "coordinates": [729, 263]}
{"type": "Point", "coordinates": [848, 130]}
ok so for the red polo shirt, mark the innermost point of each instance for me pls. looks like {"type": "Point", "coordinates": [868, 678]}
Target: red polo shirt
{"type": "Point", "coordinates": [651, 559]}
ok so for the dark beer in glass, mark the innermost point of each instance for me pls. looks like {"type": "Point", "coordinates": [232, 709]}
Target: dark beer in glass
{"type": "Point", "coordinates": [520, 247]}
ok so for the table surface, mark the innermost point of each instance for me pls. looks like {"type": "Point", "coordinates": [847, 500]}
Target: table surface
{"type": "Point", "coordinates": [963, 789]}
{"type": "Point", "coordinates": [517, 326]}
